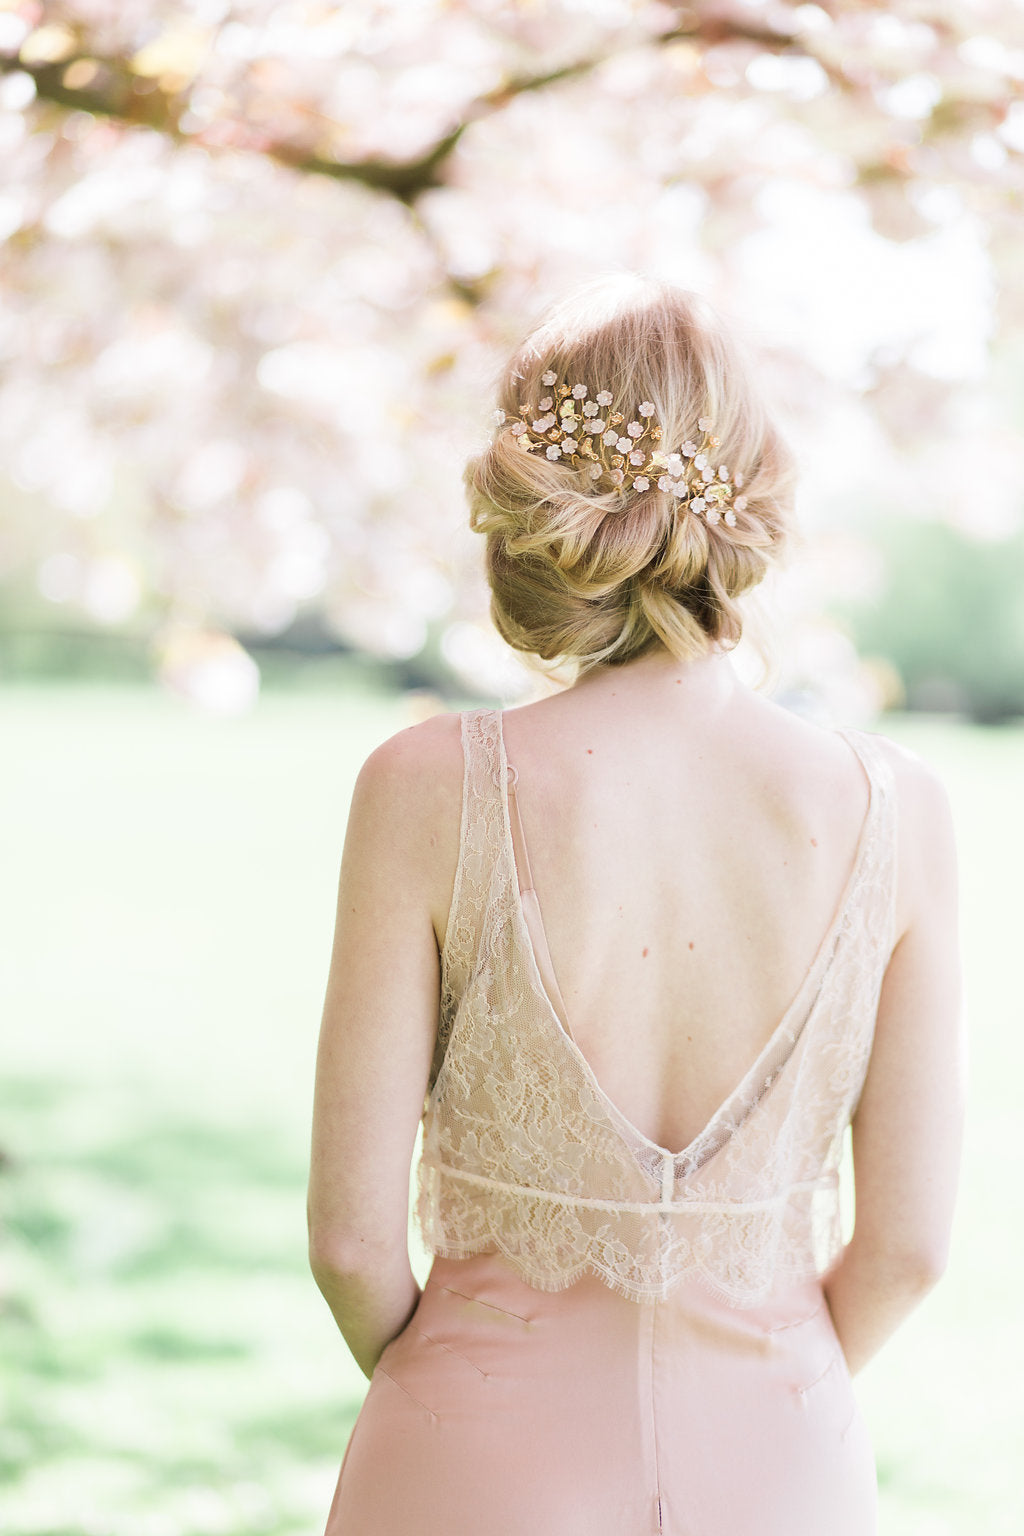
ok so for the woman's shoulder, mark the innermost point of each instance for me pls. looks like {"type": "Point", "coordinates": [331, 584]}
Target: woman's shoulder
{"type": "Point", "coordinates": [920, 791]}
{"type": "Point", "coordinates": [925, 835]}
{"type": "Point", "coordinates": [418, 770]}
{"type": "Point", "coordinates": [418, 749]}
{"type": "Point", "coordinates": [407, 801]}
{"type": "Point", "coordinates": [816, 750]}
{"type": "Point", "coordinates": [916, 783]}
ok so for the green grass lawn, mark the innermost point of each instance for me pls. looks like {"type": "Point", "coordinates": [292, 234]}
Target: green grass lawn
{"type": "Point", "coordinates": [167, 902]}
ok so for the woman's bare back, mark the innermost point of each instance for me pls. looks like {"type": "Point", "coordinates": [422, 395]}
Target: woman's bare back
{"type": "Point", "coordinates": [690, 843]}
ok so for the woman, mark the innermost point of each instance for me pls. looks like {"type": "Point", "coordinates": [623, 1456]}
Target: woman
{"type": "Point", "coordinates": [645, 948]}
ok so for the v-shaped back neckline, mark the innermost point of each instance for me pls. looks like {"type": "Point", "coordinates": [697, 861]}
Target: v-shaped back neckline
{"type": "Point", "coordinates": [696, 1150]}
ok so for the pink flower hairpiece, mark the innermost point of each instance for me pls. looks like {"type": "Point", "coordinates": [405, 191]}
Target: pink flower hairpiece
{"type": "Point", "coordinates": [568, 426]}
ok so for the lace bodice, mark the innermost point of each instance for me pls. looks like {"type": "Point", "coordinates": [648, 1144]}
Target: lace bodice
{"type": "Point", "coordinates": [525, 1154]}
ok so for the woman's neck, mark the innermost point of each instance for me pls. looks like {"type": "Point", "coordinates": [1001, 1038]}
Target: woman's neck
{"type": "Point", "coordinates": [708, 683]}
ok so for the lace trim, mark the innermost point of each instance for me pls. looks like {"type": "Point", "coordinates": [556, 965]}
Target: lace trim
{"type": "Point", "coordinates": [636, 1207]}
{"type": "Point", "coordinates": [644, 1256]}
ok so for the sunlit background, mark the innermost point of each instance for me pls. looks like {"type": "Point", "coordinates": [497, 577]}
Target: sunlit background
{"type": "Point", "coordinates": [259, 265]}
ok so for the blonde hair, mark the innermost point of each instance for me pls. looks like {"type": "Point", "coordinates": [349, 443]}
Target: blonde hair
{"type": "Point", "coordinates": [603, 576]}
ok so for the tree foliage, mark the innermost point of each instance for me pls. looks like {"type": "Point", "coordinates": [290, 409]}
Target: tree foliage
{"type": "Point", "coordinates": [260, 261]}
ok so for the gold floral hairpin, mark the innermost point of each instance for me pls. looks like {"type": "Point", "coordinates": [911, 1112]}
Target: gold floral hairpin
{"type": "Point", "coordinates": [569, 426]}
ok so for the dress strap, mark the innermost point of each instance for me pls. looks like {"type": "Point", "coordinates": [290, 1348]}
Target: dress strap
{"type": "Point", "coordinates": [531, 908]}
{"type": "Point", "coordinates": [478, 875]}
{"type": "Point", "coordinates": [881, 855]}
{"type": "Point", "coordinates": [525, 873]}
{"type": "Point", "coordinates": [494, 866]}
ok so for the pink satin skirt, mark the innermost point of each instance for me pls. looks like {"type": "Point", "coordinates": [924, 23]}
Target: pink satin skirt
{"type": "Point", "coordinates": [505, 1411]}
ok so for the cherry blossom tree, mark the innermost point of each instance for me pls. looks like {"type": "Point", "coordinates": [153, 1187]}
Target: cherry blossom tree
{"type": "Point", "coordinates": [261, 260]}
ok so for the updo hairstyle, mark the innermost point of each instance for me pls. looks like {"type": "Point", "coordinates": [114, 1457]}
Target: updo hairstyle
{"type": "Point", "coordinates": [593, 574]}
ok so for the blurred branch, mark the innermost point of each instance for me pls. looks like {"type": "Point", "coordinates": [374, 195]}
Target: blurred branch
{"type": "Point", "coordinates": [113, 90]}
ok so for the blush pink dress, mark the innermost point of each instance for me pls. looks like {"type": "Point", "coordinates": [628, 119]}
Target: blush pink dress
{"type": "Point", "coordinates": [616, 1339]}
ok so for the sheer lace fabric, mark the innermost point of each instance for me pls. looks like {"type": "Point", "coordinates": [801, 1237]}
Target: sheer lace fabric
{"type": "Point", "coordinates": [524, 1154]}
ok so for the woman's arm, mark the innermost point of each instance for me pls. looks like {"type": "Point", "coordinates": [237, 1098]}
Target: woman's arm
{"type": "Point", "coordinates": [907, 1130]}
{"type": "Point", "coordinates": [378, 1030]}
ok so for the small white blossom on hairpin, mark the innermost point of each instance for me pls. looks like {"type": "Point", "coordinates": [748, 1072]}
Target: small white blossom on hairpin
{"type": "Point", "coordinates": [549, 378]}
{"type": "Point", "coordinates": [635, 429]}
{"type": "Point", "coordinates": [603, 397]}
{"type": "Point", "coordinates": [610, 437]}
{"type": "Point", "coordinates": [518, 428]}
{"type": "Point", "coordinates": [705, 423]}
{"type": "Point", "coordinates": [730, 517]}
{"type": "Point", "coordinates": [641, 483]}
{"type": "Point", "coordinates": [591, 408]}
{"type": "Point", "coordinates": [646, 408]}
{"type": "Point", "coordinates": [553, 451]}
{"type": "Point", "coordinates": [546, 403]}
{"type": "Point", "coordinates": [499, 416]}
{"type": "Point", "coordinates": [579, 391]}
